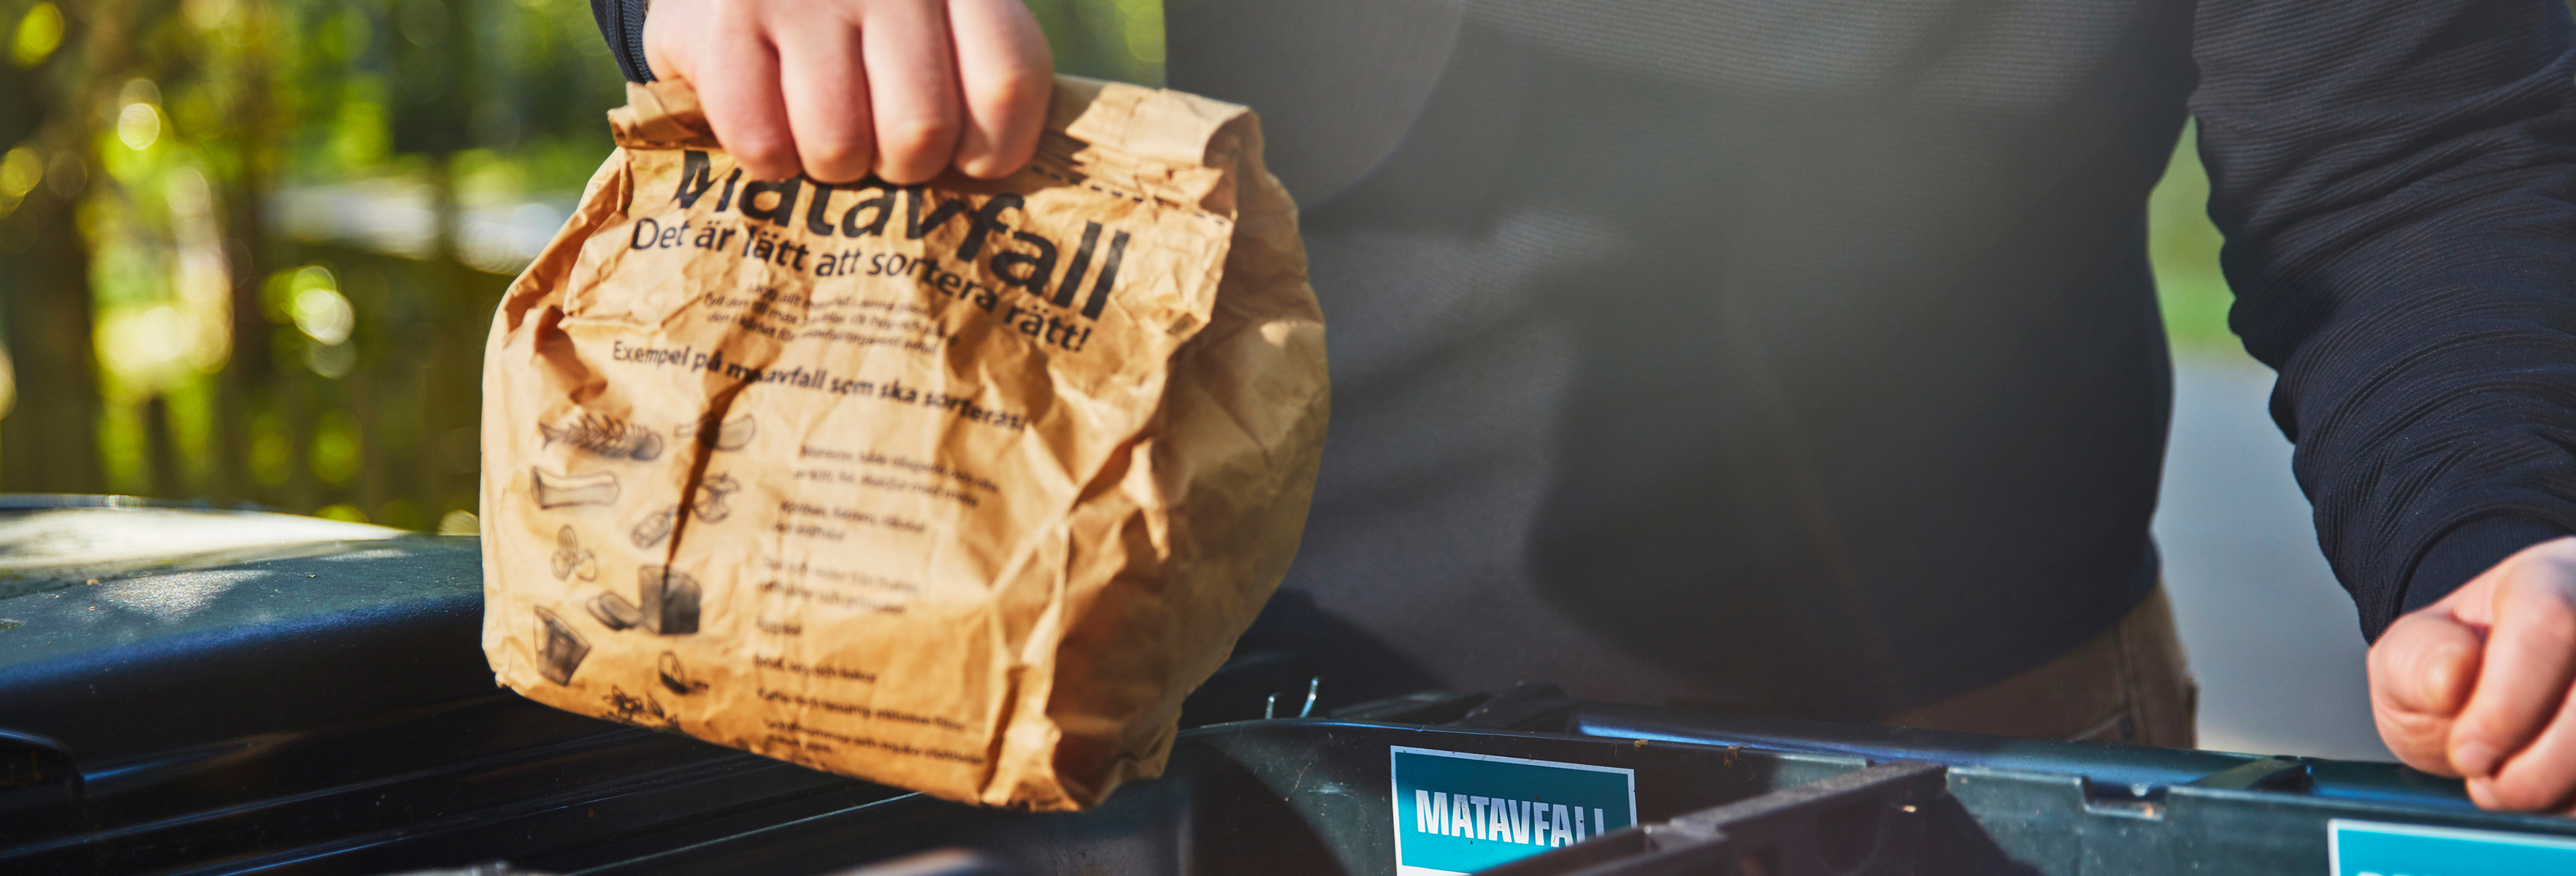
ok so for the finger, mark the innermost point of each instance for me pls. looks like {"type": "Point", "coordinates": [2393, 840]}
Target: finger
{"type": "Point", "coordinates": [664, 52]}
{"type": "Point", "coordinates": [2527, 665]}
{"type": "Point", "coordinates": [678, 34]}
{"type": "Point", "coordinates": [2540, 776]}
{"type": "Point", "coordinates": [2429, 663]}
{"type": "Point", "coordinates": [741, 98]}
{"type": "Point", "coordinates": [1006, 75]}
{"type": "Point", "coordinates": [826, 94]}
{"type": "Point", "coordinates": [912, 81]}
{"type": "Point", "coordinates": [2421, 673]}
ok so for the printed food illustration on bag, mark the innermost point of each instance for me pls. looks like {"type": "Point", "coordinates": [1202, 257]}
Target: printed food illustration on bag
{"type": "Point", "coordinates": [959, 487]}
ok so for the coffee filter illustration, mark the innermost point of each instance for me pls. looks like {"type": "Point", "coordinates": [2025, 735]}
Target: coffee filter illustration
{"type": "Point", "coordinates": [563, 649]}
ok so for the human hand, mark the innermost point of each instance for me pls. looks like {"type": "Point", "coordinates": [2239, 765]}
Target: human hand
{"type": "Point", "coordinates": [2476, 685]}
{"type": "Point", "coordinates": [840, 88]}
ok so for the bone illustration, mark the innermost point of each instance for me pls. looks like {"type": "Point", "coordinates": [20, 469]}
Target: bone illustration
{"type": "Point", "coordinates": [669, 600]}
{"type": "Point", "coordinates": [652, 529]}
{"type": "Point", "coordinates": [673, 678]}
{"type": "Point", "coordinates": [614, 612]}
{"type": "Point", "coordinates": [559, 490]}
{"type": "Point", "coordinates": [710, 506]}
{"type": "Point", "coordinates": [733, 434]}
{"type": "Point", "coordinates": [606, 436]}
{"type": "Point", "coordinates": [562, 651]}
{"type": "Point", "coordinates": [571, 560]}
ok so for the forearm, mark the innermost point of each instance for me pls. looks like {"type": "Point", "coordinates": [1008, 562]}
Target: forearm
{"type": "Point", "coordinates": [2434, 408]}
{"type": "Point", "coordinates": [2395, 181]}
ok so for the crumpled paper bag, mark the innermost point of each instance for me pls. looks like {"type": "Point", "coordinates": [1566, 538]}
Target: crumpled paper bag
{"type": "Point", "coordinates": [957, 487]}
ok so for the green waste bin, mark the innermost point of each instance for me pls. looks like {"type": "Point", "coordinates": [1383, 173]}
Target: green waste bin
{"type": "Point", "coordinates": [1602, 789]}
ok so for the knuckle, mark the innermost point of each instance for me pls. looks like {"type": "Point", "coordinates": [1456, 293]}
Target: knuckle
{"type": "Point", "coordinates": [764, 154]}
{"type": "Point", "coordinates": [772, 166]}
{"type": "Point", "coordinates": [2561, 549]}
{"type": "Point", "coordinates": [2413, 657]}
{"type": "Point", "coordinates": [837, 157]}
{"type": "Point", "coordinates": [2406, 731]}
{"type": "Point", "coordinates": [917, 136]}
{"type": "Point", "coordinates": [2394, 650]}
{"type": "Point", "coordinates": [738, 17]}
{"type": "Point", "coordinates": [1011, 89]}
{"type": "Point", "coordinates": [2543, 604]}
{"type": "Point", "coordinates": [985, 166]}
{"type": "Point", "coordinates": [2548, 567]}
{"type": "Point", "coordinates": [2478, 725]}
{"type": "Point", "coordinates": [2395, 683]}
{"type": "Point", "coordinates": [2551, 621]}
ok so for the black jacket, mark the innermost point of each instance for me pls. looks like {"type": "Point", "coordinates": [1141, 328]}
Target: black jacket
{"type": "Point", "coordinates": [1803, 356]}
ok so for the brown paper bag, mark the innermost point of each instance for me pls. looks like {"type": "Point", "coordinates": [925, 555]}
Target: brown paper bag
{"type": "Point", "coordinates": [958, 487]}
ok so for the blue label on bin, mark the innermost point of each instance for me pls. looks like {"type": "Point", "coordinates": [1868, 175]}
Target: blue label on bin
{"type": "Point", "coordinates": [1460, 813]}
{"type": "Point", "coordinates": [2370, 848]}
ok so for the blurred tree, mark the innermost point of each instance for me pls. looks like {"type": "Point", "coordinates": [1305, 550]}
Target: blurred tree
{"type": "Point", "coordinates": [62, 64]}
{"type": "Point", "coordinates": [239, 39]}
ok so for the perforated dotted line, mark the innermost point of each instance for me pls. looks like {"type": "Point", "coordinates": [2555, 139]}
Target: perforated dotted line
{"type": "Point", "coordinates": [1042, 171]}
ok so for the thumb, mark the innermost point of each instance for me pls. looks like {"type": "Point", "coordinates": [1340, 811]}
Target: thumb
{"type": "Point", "coordinates": [2421, 674]}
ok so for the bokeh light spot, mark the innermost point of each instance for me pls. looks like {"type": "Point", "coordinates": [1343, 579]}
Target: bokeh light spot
{"type": "Point", "coordinates": [39, 32]}
{"type": "Point", "coordinates": [8, 383]}
{"type": "Point", "coordinates": [336, 452]}
{"type": "Point", "coordinates": [138, 126]}
{"type": "Point", "coordinates": [460, 522]}
{"type": "Point", "coordinates": [341, 511]}
{"type": "Point", "coordinates": [320, 311]}
{"type": "Point", "coordinates": [20, 172]}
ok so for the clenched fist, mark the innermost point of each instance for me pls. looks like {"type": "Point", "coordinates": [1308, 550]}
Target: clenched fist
{"type": "Point", "coordinates": [837, 89]}
{"type": "Point", "coordinates": [2476, 685]}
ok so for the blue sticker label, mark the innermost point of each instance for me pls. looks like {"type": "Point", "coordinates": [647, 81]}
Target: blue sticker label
{"type": "Point", "coordinates": [2370, 848]}
{"type": "Point", "coordinates": [1460, 813]}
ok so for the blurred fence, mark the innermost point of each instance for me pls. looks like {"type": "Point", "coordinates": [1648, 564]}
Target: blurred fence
{"type": "Point", "coordinates": [249, 249]}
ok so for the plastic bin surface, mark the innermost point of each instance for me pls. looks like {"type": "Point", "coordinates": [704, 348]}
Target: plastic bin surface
{"type": "Point", "coordinates": [1318, 797]}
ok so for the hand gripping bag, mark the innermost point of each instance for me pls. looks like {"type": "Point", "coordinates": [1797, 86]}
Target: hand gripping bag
{"type": "Point", "coordinates": [958, 487]}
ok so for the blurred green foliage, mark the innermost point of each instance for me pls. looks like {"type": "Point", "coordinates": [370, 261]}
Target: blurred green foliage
{"type": "Point", "coordinates": [2183, 245]}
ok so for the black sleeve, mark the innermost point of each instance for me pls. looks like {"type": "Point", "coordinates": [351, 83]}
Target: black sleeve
{"type": "Point", "coordinates": [622, 23]}
{"type": "Point", "coordinates": [2395, 180]}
